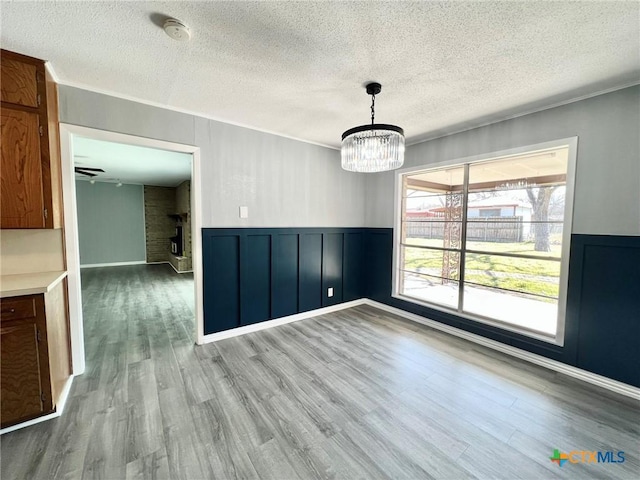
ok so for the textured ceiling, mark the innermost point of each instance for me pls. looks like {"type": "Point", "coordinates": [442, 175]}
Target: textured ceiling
{"type": "Point", "coordinates": [298, 68]}
{"type": "Point", "coordinates": [131, 163]}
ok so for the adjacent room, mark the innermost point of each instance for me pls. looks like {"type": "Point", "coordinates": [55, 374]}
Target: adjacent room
{"type": "Point", "coordinates": [320, 240]}
{"type": "Point", "coordinates": [134, 215]}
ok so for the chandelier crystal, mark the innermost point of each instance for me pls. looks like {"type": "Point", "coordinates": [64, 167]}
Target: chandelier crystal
{"type": "Point", "coordinates": [376, 147]}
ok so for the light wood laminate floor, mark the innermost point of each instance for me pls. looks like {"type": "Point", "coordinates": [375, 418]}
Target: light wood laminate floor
{"type": "Point", "coordinates": [353, 394]}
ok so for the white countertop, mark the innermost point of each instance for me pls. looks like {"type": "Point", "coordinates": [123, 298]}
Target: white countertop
{"type": "Point", "coordinates": [29, 283]}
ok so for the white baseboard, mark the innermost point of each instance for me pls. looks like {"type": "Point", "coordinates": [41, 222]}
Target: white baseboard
{"type": "Point", "coordinates": [62, 401]}
{"type": "Point", "coordinates": [169, 263]}
{"type": "Point", "coordinates": [178, 271]}
{"type": "Point", "coordinates": [234, 332]}
{"type": "Point", "coordinates": [589, 377]}
{"type": "Point", "coordinates": [115, 264]}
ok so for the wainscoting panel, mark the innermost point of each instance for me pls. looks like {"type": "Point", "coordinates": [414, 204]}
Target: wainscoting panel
{"type": "Point", "coordinates": [284, 280]}
{"type": "Point", "coordinates": [379, 262]}
{"type": "Point", "coordinates": [310, 272]}
{"type": "Point", "coordinates": [332, 251]}
{"type": "Point", "coordinates": [221, 283]}
{"type": "Point", "coordinates": [256, 274]}
{"type": "Point", "coordinates": [609, 328]}
{"type": "Point", "coordinates": [353, 281]}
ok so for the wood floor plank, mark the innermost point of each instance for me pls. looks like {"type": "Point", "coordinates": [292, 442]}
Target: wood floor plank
{"type": "Point", "coordinates": [222, 446]}
{"type": "Point", "coordinates": [154, 466]}
{"type": "Point", "coordinates": [351, 460]}
{"type": "Point", "coordinates": [409, 424]}
{"type": "Point", "coordinates": [24, 451]}
{"type": "Point", "coordinates": [271, 463]}
{"type": "Point", "coordinates": [395, 462]}
{"type": "Point", "coordinates": [485, 463]}
{"type": "Point", "coordinates": [476, 410]}
{"type": "Point", "coordinates": [592, 428]}
{"type": "Point", "coordinates": [106, 455]}
{"type": "Point", "coordinates": [537, 450]}
{"type": "Point", "coordinates": [183, 448]}
{"type": "Point", "coordinates": [72, 435]}
{"type": "Point", "coordinates": [354, 394]}
{"type": "Point", "coordinates": [242, 410]}
{"type": "Point", "coordinates": [423, 451]}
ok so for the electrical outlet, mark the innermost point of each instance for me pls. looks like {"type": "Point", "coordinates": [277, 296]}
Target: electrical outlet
{"type": "Point", "coordinates": [330, 292]}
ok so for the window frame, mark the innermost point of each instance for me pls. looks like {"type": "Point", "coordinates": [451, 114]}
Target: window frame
{"type": "Point", "coordinates": [572, 144]}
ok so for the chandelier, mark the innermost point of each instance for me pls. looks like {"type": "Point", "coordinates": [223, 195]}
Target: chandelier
{"type": "Point", "coordinates": [373, 148]}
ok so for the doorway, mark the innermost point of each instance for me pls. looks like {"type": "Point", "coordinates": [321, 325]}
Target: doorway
{"type": "Point", "coordinates": [184, 225]}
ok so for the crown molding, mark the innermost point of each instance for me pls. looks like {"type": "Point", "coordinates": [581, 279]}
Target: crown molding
{"type": "Point", "coordinates": [186, 111]}
{"type": "Point", "coordinates": [530, 111]}
{"type": "Point", "coordinates": [499, 119]}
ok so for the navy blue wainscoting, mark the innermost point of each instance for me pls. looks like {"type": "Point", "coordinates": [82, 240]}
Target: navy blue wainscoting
{"type": "Point", "coordinates": [602, 327]}
{"type": "Point", "coordinates": [310, 271]}
{"type": "Point", "coordinates": [256, 252]}
{"type": "Point", "coordinates": [221, 283]}
{"type": "Point", "coordinates": [284, 279]}
{"type": "Point", "coordinates": [332, 252]}
{"type": "Point", "coordinates": [608, 273]}
{"type": "Point", "coordinates": [353, 275]}
{"type": "Point", "coordinates": [256, 274]}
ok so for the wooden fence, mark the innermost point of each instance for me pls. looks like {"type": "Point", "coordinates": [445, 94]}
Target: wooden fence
{"type": "Point", "coordinates": [485, 229]}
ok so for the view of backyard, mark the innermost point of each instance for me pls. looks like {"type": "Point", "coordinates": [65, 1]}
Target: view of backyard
{"type": "Point", "coordinates": [506, 217]}
{"type": "Point", "coordinates": [537, 277]}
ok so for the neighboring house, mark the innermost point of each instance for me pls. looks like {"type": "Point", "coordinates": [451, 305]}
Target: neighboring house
{"type": "Point", "coordinates": [489, 208]}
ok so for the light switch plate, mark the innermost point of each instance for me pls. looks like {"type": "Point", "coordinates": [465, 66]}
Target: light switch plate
{"type": "Point", "coordinates": [330, 292]}
{"type": "Point", "coordinates": [244, 212]}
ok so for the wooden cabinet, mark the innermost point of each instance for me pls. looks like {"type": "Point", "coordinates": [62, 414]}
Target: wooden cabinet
{"type": "Point", "coordinates": [34, 353]}
{"type": "Point", "coordinates": [30, 170]}
{"type": "Point", "coordinates": [19, 82]}
{"type": "Point", "coordinates": [24, 393]}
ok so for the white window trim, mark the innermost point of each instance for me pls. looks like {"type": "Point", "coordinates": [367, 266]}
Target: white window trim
{"type": "Point", "coordinates": [572, 144]}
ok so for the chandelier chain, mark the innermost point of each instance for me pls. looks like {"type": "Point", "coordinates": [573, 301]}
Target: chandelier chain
{"type": "Point", "coordinates": [373, 108]}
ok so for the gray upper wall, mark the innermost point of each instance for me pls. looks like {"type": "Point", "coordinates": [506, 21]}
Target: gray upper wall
{"type": "Point", "coordinates": [607, 191]}
{"type": "Point", "coordinates": [284, 182]}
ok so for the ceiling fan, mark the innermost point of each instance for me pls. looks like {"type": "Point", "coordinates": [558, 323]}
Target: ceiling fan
{"type": "Point", "coordinates": [88, 171]}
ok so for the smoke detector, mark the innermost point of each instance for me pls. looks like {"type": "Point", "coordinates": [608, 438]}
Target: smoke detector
{"type": "Point", "coordinates": [177, 30]}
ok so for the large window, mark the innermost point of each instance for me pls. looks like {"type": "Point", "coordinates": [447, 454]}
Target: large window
{"type": "Point", "coordinates": [488, 238]}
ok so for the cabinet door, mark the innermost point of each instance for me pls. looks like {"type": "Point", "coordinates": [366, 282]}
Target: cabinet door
{"type": "Point", "coordinates": [22, 201]}
{"type": "Point", "coordinates": [19, 83]}
{"type": "Point", "coordinates": [20, 374]}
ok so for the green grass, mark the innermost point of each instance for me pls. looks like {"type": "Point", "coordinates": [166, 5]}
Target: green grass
{"type": "Point", "coordinates": [534, 276]}
{"type": "Point", "coordinates": [517, 284]}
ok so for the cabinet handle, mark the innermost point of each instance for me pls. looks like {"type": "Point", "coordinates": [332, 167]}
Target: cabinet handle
{"type": "Point", "coordinates": [9, 310]}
